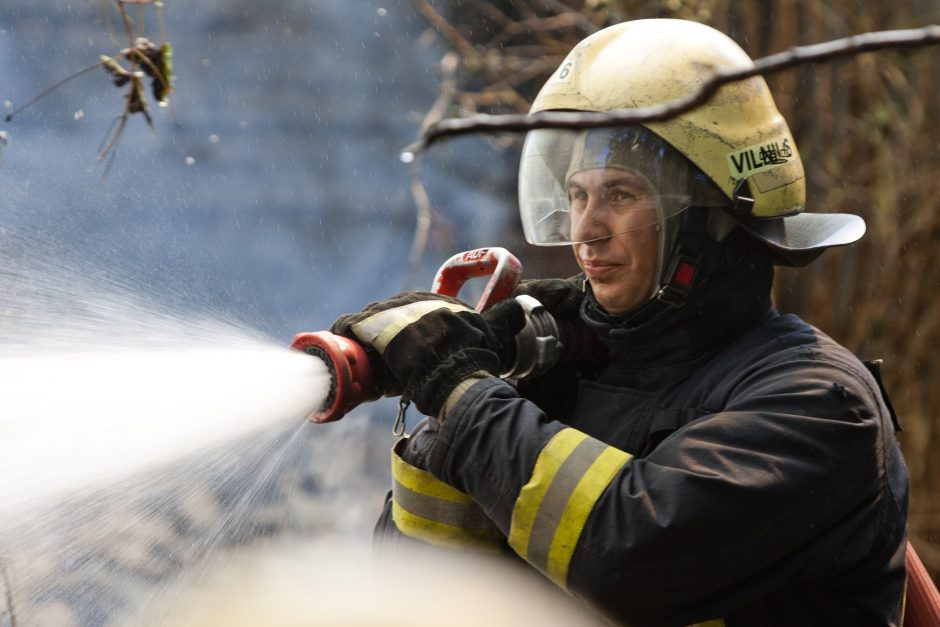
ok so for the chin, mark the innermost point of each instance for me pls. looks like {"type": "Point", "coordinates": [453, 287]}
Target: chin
{"type": "Point", "coordinates": [609, 302]}
{"type": "Point", "coordinates": [613, 299]}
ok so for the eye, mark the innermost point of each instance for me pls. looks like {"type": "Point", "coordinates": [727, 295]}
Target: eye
{"type": "Point", "coordinates": [577, 194]}
{"type": "Point", "coordinates": [621, 195]}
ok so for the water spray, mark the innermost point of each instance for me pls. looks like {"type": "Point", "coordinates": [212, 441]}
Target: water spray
{"type": "Point", "coordinates": [357, 374]}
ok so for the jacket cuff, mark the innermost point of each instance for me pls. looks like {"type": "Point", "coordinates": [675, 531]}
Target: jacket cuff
{"type": "Point", "coordinates": [431, 511]}
{"type": "Point", "coordinates": [462, 388]}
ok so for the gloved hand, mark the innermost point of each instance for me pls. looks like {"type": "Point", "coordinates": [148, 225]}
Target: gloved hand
{"type": "Point", "coordinates": [430, 344]}
{"type": "Point", "coordinates": [561, 297]}
{"type": "Point", "coordinates": [556, 390]}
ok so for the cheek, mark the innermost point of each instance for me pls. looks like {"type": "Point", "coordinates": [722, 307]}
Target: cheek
{"type": "Point", "coordinates": [642, 245]}
{"type": "Point", "coordinates": [649, 243]}
{"type": "Point", "coordinates": [574, 250]}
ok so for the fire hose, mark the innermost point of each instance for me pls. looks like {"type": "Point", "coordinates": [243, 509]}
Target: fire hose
{"type": "Point", "coordinates": [357, 374]}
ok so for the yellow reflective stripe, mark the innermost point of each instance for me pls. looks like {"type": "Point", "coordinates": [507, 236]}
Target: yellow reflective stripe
{"type": "Point", "coordinates": [429, 510]}
{"type": "Point", "coordinates": [904, 596]}
{"type": "Point", "coordinates": [460, 389]}
{"type": "Point", "coordinates": [570, 474]}
{"type": "Point", "coordinates": [424, 482]}
{"type": "Point", "coordinates": [381, 328]}
{"type": "Point", "coordinates": [718, 622]}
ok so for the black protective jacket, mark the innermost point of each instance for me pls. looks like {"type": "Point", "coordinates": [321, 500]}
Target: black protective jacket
{"type": "Point", "coordinates": [723, 462]}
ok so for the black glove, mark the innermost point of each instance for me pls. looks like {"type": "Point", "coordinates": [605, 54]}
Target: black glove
{"type": "Point", "coordinates": [430, 344]}
{"type": "Point", "coordinates": [505, 319]}
{"type": "Point", "coordinates": [561, 297]}
{"type": "Point", "coordinates": [556, 390]}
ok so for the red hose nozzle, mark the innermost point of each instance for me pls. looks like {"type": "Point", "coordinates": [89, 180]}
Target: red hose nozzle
{"type": "Point", "coordinates": [352, 379]}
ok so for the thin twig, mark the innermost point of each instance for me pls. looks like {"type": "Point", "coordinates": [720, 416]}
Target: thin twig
{"type": "Point", "coordinates": [422, 227]}
{"type": "Point", "coordinates": [425, 211]}
{"type": "Point", "coordinates": [816, 53]}
{"type": "Point", "coordinates": [464, 47]}
{"type": "Point", "coordinates": [560, 7]}
{"type": "Point", "coordinates": [126, 19]}
{"type": "Point", "coordinates": [8, 585]}
{"type": "Point", "coordinates": [449, 63]}
{"type": "Point", "coordinates": [49, 89]}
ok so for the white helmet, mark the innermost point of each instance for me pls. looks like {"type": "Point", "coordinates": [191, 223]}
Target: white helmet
{"type": "Point", "coordinates": [735, 151]}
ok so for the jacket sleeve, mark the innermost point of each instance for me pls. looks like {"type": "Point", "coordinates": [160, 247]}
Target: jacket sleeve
{"type": "Point", "coordinates": [733, 494]}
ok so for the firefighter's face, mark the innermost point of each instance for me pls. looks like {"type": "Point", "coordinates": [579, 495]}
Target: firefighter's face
{"type": "Point", "coordinates": [614, 217]}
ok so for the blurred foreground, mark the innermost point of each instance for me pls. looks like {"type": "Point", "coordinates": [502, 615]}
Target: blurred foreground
{"type": "Point", "coordinates": [334, 582]}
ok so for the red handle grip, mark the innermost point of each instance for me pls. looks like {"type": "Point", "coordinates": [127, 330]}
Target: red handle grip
{"type": "Point", "coordinates": [504, 268]}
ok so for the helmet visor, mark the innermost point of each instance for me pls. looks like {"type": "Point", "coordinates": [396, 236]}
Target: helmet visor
{"type": "Point", "coordinates": [580, 186]}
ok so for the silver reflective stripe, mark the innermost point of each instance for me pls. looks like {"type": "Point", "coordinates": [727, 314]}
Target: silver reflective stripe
{"type": "Point", "coordinates": [381, 328]}
{"type": "Point", "coordinates": [556, 499]}
{"type": "Point", "coordinates": [465, 515]}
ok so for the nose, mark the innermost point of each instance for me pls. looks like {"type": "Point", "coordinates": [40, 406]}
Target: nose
{"type": "Point", "coordinates": [590, 223]}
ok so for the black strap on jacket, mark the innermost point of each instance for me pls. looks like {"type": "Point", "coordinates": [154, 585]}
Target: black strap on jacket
{"type": "Point", "coordinates": [874, 367]}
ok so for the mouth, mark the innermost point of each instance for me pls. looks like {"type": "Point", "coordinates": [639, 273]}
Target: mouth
{"type": "Point", "coordinates": [598, 268]}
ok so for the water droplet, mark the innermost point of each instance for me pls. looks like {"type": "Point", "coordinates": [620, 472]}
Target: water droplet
{"type": "Point", "coordinates": [78, 115]}
{"type": "Point", "coordinates": [381, 12]}
{"type": "Point", "coordinates": [407, 156]}
{"type": "Point", "coordinates": [190, 161]}
{"type": "Point", "coordinates": [213, 139]}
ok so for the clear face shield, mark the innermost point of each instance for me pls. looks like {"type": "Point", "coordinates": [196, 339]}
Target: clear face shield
{"type": "Point", "coordinates": [583, 186]}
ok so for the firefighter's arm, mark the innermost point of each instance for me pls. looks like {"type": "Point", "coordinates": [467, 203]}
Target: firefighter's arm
{"type": "Point", "coordinates": [724, 498]}
{"type": "Point", "coordinates": [432, 345]}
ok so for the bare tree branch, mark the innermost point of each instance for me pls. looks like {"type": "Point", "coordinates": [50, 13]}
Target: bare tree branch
{"type": "Point", "coordinates": [426, 214]}
{"type": "Point", "coordinates": [816, 53]}
{"type": "Point", "coordinates": [562, 8]}
{"type": "Point", "coordinates": [444, 27]}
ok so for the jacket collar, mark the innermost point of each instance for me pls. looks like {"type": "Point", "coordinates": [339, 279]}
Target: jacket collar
{"type": "Point", "coordinates": [658, 335]}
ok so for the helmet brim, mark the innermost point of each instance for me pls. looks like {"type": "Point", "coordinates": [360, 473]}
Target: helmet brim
{"type": "Point", "coordinates": [799, 239]}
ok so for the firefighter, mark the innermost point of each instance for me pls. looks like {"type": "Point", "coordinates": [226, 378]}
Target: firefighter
{"type": "Point", "coordinates": [717, 460]}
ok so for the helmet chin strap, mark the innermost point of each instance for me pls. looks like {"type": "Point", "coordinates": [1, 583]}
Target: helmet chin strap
{"type": "Point", "coordinates": [695, 256]}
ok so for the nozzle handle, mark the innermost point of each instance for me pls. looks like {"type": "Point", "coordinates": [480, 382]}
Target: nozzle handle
{"type": "Point", "coordinates": [504, 269]}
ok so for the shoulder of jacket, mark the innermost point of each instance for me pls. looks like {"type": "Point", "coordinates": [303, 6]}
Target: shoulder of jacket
{"type": "Point", "coordinates": [785, 344]}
